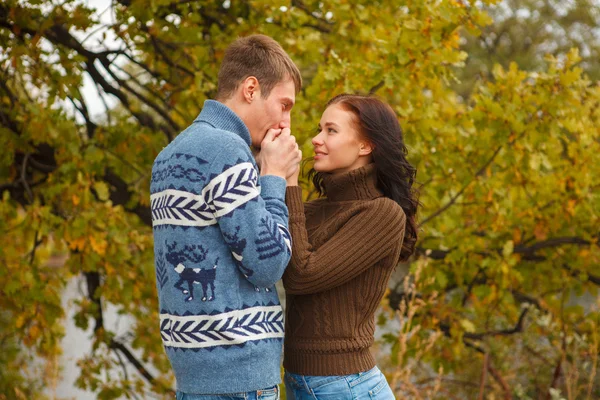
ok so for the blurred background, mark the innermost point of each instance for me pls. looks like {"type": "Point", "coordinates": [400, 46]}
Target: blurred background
{"type": "Point", "coordinates": [500, 106]}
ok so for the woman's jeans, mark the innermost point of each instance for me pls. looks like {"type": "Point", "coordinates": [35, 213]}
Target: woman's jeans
{"type": "Point", "coordinates": [266, 394]}
{"type": "Point", "coordinates": [364, 385]}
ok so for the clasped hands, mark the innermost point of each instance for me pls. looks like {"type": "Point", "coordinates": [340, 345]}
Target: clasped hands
{"type": "Point", "coordinates": [280, 156]}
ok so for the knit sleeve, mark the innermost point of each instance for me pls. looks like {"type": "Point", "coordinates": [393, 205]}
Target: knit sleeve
{"type": "Point", "coordinates": [252, 217]}
{"type": "Point", "coordinates": [365, 239]}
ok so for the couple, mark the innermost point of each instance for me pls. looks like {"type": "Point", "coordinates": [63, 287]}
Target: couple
{"type": "Point", "coordinates": [227, 228]}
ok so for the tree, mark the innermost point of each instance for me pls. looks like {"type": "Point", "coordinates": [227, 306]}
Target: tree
{"type": "Point", "coordinates": [510, 178]}
{"type": "Point", "coordinates": [524, 31]}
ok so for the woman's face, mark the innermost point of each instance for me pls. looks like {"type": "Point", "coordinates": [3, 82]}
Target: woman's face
{"type": "Point", "coordinates": [338, 145]}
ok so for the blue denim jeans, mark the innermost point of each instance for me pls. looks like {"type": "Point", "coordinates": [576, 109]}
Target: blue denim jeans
{"type": "Point", "coordinates": [265, 394]}
{"type": "Point", "coordinates": [362, 386]}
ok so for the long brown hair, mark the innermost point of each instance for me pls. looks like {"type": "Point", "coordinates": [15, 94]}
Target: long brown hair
{"type": "Point", "coordinates": [378, 123]}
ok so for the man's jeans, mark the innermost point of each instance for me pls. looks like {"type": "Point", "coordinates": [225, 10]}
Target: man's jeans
{"type": "Point", "coordinates": [266, 394]}
{"type": "Point", "coordinates": [362, 386]}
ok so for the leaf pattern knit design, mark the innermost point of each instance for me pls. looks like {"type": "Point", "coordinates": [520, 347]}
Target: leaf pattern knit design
{"type": "Point", "coordinates": [232, 188]}
{"type": "Point", "coordinates": [161, 270]}
{"type": "Point", "coordinates": [271, 239]}
{"type": "Point", "coordinates": [227, 329]}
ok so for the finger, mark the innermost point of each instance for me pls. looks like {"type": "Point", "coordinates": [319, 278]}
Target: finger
{"type": "Point", "coordinates": [286, 132]}
{"type": "Point", "coordinates": [292, 145]}
{"type": "Point", "coordinates": [271, 135]}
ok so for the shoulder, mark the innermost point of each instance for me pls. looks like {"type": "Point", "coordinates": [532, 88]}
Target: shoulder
{"type": "Point", "coordinates": [388, 207]}
{"type": "Point", "coordinates": [204, 133]}
{"type": "Point", "coordinates": [219, 145]}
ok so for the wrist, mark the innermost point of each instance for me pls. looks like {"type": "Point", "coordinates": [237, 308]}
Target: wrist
{"type": "Point", "coordinates": [291, 181]}
{"type": "Point", "coordinates": [268, 171]}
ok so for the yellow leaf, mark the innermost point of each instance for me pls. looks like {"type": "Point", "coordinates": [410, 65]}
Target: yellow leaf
{"type": "Point", "coordinates": [508, 248]}
{"type": "Point", "coordinates": [102, 190]}
{"type": "Point", "coordinates": [99, 246]}
{"type": "Point", "coordinates": [467, 325]}
{"type": "Point", "coordinates": [516, 236]}
{"type": "Point", "coordinates": [77, 244]}
{"type": "Point", "coordinates": [75, 199]}
{"type": "Point", "coordinates": [571, 207]}
{"type": "Point", "coordinates": [540, 231]}
{"type": "Point", "coordinates": [20, 321]}
{"type": "Point", "coordinates": [34, 332]}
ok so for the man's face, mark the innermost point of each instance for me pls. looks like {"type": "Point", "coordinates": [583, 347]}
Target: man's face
{"type": "Point", "coordinates": [272, 112]}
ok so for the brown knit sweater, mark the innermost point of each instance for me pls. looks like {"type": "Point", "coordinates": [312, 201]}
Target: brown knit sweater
{"type": "Point", "coordinates": [344, 249]}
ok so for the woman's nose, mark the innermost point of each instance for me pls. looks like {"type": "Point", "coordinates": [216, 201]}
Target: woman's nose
{"type": "Point", "coordinates": [316, 141]}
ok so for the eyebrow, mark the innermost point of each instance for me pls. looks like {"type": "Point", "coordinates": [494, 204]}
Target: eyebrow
{"type": "Point", "coordinates": [330, 124]}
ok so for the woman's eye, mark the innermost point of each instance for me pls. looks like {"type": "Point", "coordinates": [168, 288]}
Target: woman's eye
{"type": "Point", "coordinates": [318, 129]}
{"type": "Point", "coordinates": [331, 130]}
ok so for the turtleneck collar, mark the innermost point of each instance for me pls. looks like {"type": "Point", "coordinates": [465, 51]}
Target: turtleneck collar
{"type": "Point", "coordinates": [358, 184]}
{"type": "Point", "coordinates": [222, 117]}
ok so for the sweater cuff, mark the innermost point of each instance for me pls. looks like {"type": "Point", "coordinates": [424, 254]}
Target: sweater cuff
{"type": "Point", "coordinates": [293, 200]}
{"type": "Point", "coordinates": [272, 187]}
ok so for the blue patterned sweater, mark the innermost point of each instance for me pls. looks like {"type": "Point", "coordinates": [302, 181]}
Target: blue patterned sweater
{"type": "Point", "coordinates": [221, 241]}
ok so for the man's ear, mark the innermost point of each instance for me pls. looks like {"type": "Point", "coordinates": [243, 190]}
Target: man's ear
{"type": "Point", "coordinates": [250, 89]}
{"type": "Point", "coordinates": [365, 148]}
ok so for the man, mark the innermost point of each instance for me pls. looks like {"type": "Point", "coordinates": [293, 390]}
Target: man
{"type": "Point", "coordinates": [221, 237]}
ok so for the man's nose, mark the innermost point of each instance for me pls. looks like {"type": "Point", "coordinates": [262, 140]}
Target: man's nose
{"type": "Point", "coordinates": [286, 122]}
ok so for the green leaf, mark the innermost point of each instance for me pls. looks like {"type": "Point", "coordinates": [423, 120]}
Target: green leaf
{"type": "Point", "coordinates": [101, 190]}
{"type": "Point", "coordinates": [508, 249]}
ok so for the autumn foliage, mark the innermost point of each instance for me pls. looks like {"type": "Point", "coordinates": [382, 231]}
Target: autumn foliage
{"type": "Point", "coordinates": [501, 298]}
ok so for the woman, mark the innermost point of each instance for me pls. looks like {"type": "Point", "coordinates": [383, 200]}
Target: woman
{"type": "Point", "coordinates": [345, 247]}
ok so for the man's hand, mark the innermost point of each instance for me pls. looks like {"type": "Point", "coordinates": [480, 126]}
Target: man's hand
{"type": "Point", "coordinates": [257, 157]}
{"type": "Point", "coordinates": [279, 154]}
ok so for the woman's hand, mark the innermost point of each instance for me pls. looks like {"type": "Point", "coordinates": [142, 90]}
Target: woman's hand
{"type": "Point", "coordinates": [292, 179]}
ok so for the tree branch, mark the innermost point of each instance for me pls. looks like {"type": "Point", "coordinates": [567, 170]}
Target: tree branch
{"type": "Point", "coordinates": [104, 61]}
{"type": "Point", "coordinates": [114, 344]}
{"type": "Point", "coordinates": [479, 336]}
{"type": "Point", "coordinates": [120, 195]}
{"type": "Point", "coordinates": [486, 359]}
{"type": "Point", "coordinates": [592, 278]}
{"type": "Point", "coordinates": [528, 252]}
{"type": "Point", "coordinates": [494, 372]}
{"type": "Point", "coordinates": [93, 283]}
{"type": "Point", "coordinates": [59, 35]}
{"type": "Point", "coordinates": [322, 24]}
{"type": "Point", "coordinates": [461, 191]}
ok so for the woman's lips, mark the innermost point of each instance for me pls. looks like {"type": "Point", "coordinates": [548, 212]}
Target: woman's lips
{"type": "Point", "coordinates": [319, 154]}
